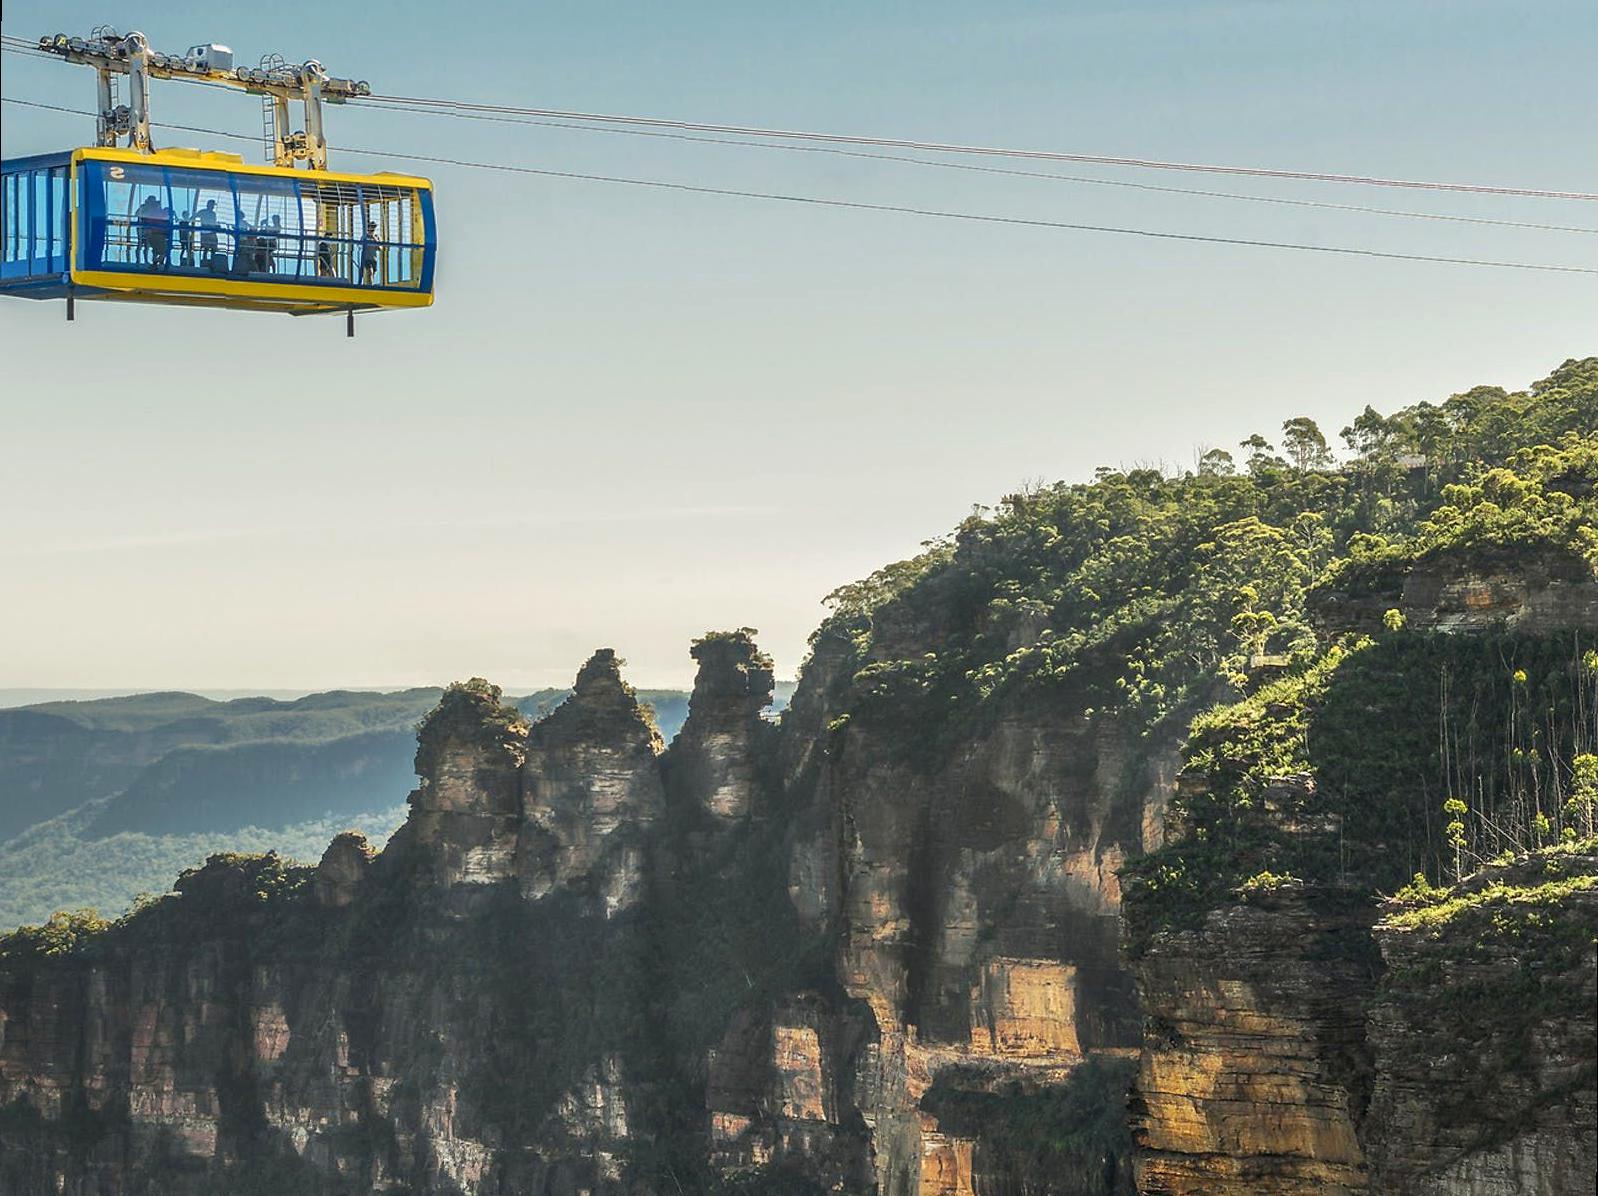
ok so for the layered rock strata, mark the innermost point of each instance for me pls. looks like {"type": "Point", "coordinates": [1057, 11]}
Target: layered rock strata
{"type": "Point", "coordinates": [1254, 1072]}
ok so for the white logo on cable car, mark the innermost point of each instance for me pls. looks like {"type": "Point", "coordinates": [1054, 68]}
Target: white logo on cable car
{"type": "Point", "coordinates": [118, 173]}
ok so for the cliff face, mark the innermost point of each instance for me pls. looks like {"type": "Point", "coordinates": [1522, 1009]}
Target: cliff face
{"type": "Point", "coordinates": [917, 939]}
{"type": "Point", "coordinates": [799, 961]}
{"type": "Point", "coordinates": [1299, 1036]}
{"type": "Point", "coordinates": [969, 899]}
{"type": "Point", "coordinates": [590, 965]}
{"type": "Point", "coordinates": [1532, 593]}
{"type": "Point", "coordinates": [1484, 1035]}
{"type": "Point", "coordinates": [1255, 1069]}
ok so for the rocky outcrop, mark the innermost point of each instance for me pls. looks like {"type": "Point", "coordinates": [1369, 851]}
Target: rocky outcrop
{"type": "Point", "coordinates": [839, 948]}
{"type": "Point", "coordinates": [973, 899]}
{"type": "Point", "coordinates": [818, 956]}
{"type": "Point", "coordinates": [1484, 1036]}
{"type": "Point", "coordinates": [1530, 593]}
{"type": "Point", "coordinates": [343, 867]}
{"type": "Point", "coordinates": [592, 792]}
{"type": "Point", "coordinates": [467, 811]}
{"type": "Point", "coordinates": [1254, 1073]}
{"type": "Point", "coordinates": [1295, 1044]}
{"type": "Point", "coordinates": [446, 1018]}
{"type": "Point", "coordinates": [720, 761]}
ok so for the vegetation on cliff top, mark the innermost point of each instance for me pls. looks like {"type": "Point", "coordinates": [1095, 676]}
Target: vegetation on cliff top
{"type": "Point", "coordinates": [1151, 595]}
{"type": "Point", "coordinates": [1173, 600]}
{"type": "Point", "coordinates": [1501, 966]}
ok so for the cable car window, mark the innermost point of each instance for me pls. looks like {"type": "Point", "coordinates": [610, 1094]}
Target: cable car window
{"type": "Point", "coordinates": [8, 218]}
{"type": "Point", "coordinates": [205, 227]}
{"type": "Point", "coordinates": [18, 241]}
{"type": "Point", "coordinates": [40, 253]}
{"type": "Point", "coordinates": [266, 228]}
{"type": "Point", "coordinates": [33, 222]}
{"type": "Point", "coordinates": [58, 218]}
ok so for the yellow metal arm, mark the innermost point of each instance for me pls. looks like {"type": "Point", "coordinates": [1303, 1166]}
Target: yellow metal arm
{"type": "Point", "coordinates": [111, 53]}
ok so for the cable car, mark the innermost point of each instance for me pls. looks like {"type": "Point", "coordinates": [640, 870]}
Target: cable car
{"type": "Point", "coordinates": [190, 227]}
{"type": "Point", "coordinates": [202, 228]}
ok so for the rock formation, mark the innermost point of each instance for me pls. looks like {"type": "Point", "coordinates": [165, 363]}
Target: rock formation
{"type": "Point", "coordinates": [499, 1002]}
{"type": "Point", "coordinates": [865, 951]}
{"type": "Point", "coordinates": [591, 792]}
{"type": "Point", "coordinates": [1482, 1037]}
{"type": "Point", "coordinates": [1255, 1070]}
{"type": "Point", "coordinates": [1297, 1038]}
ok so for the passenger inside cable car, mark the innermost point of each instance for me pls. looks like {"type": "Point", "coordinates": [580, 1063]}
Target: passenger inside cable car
{"type": "Point", "coordinates": [280, 229]}
{"type": "Point", "coordinates": [204, 229]}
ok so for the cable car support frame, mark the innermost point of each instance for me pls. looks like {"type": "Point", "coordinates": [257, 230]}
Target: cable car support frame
{"type": "Point", "coordinates": [112, 55]}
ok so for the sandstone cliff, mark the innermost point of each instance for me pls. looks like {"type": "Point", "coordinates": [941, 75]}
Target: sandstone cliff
{"type": "Point", "coordinates": [1297, 1037]}
{"type": "Point", "coordinates": [591, 964]}
{"type": "Point", "coordinates": [1099, 785]}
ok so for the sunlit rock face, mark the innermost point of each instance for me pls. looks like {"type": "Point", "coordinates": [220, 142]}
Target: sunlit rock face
{"type": "Point", "coordinates": [466, 812]}
{"type": "Point", "coordinates": [780, 1089]}
{"type": "Point", "coordinates": [1293, 1044]}
{"type": "Point", "coordinates": [499, 1003]}
{"type": "Point", "coordinates": [1255, 1071]}
{"type": "Point", "coordinates": [1531, 593]}
{"type": "Point", "coordinates": [591, 791]}
{"type": "Point", "coordinates": [721, 761]}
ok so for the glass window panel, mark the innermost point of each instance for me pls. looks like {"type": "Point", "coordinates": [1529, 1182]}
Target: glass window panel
{"type": "Point", "coordinates": [206, 228]}
{"type": "Point", "coordinates": [266, 228]}
{"type": "Point", "coordinates": [63, 214]}
{"type": "Point", "coordinates": [17, 246]}
{"type": "Point", "coordinates": [8, 217]}
{"type": "Point", "coordinates": [42, 217]}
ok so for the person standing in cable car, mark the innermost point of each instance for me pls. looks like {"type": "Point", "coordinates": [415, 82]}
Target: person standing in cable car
{"type": "Point", "coordinates": [369, 255]}
{"type": "Point", "coordinates": [161, 237]}
{"type": "Point", "coordinates": [270, 230]}
{"type": "Point", "coordinates": [206, 219]}
{"type": "Point", "coordinates": [145, 220]}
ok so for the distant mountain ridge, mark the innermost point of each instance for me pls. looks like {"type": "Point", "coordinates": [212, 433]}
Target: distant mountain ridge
{"type": "Point", "coordinates": [101, 798]}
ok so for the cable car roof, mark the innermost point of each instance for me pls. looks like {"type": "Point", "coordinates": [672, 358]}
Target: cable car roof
{"type": "Point", "coordinates": [235, 164]}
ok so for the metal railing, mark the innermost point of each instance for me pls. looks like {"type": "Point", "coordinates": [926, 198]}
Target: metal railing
{"type": "Point", "coordinates": [263, 255]}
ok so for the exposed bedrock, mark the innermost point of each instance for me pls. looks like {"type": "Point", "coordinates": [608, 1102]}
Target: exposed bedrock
{"type": "Point", "coordinates": [591, 792]}
{"type": "Point", "coordinates": [1484, 1037]}
{"type": "Point", "coordinates": [1255, 1070]}
{"type": "Point", "coordinates": [1531, 593]}
{"type": "Point", "coordinates": [973, 902]}
{"type": "Point", "coordinates": [839, 963]}
{"type": "Point", "coordinates": [721, 761]}
{"type": "Point", "coordinates": [467, 809]}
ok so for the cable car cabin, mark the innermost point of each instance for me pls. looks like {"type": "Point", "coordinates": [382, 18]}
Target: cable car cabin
{"type": "Point", "coordinates": [200, 228]}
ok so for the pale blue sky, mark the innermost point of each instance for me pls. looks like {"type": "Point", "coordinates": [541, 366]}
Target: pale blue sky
{"type": "Point", "coordinates": [635, 415]}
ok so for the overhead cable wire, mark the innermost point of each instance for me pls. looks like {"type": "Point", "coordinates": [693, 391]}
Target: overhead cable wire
{"type": "Point", "coordinates": [1051, 176]}
{"type": "Point", "coordinates": [790, 147]}
{"type": "Point", "coordinates": [902, 209]}
{"type": "Point", "coordinates": [987, 150]}
{"type": "Point", "coordinates": [399, 101]}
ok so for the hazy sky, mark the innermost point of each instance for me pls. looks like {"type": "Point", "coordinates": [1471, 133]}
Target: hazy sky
{"type": "Point", "coordinates": [634, 415]}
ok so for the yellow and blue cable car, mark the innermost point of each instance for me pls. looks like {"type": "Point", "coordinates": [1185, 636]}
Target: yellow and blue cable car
{"type": "Point", "coordinates": [201, 228]}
